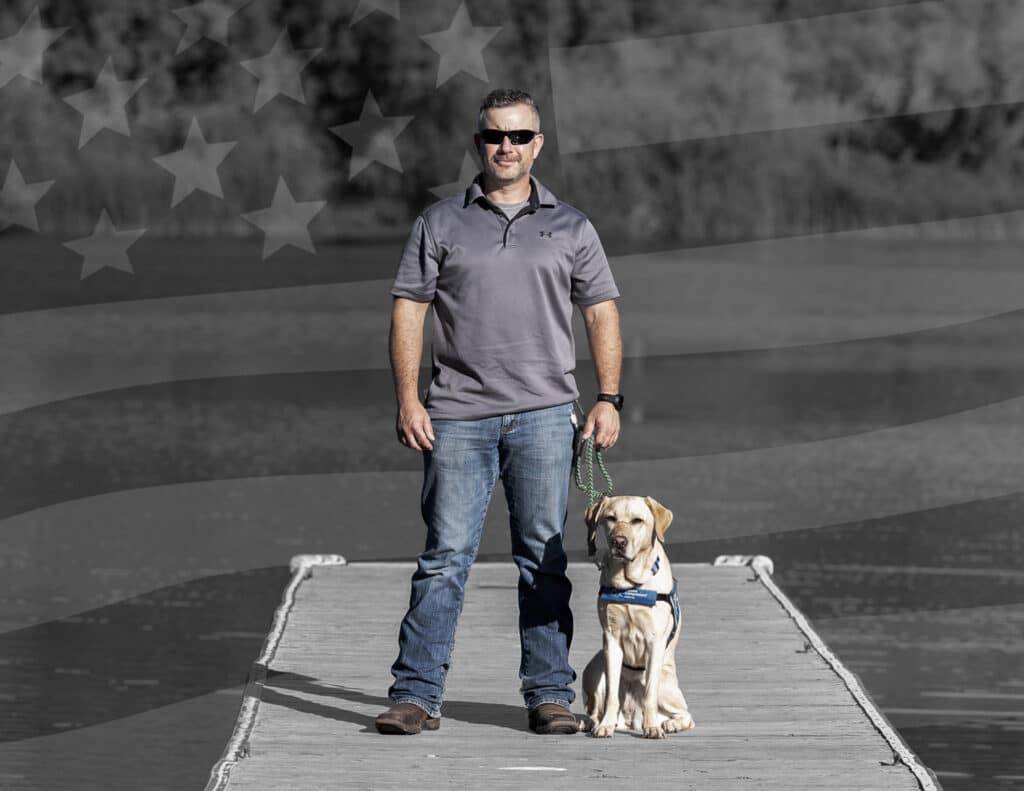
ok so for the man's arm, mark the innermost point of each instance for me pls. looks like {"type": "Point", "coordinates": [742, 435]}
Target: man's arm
{"type": "Point", "coordinates": [406, 345]}
{"type": "Point", "coordinates": [602, 320]}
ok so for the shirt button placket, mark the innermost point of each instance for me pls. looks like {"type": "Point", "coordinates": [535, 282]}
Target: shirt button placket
{"type": "Point", "coordinates": [503, 225]}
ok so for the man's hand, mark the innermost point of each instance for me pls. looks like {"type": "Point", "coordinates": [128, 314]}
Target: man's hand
{"type": "Point", "coordinates": [605, 419]}
{"type": "Point", "coordinates": [413, 426]}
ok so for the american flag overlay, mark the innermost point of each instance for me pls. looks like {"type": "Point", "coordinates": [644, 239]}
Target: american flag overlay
{"type": "Point", "coordinates": [814, 211]}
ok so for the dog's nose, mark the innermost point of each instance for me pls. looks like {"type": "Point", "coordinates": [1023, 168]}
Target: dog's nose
{"type": "Point", "coordinates": [619, 541]}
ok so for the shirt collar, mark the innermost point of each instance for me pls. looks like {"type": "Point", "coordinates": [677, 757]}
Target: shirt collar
{"type": "Point", "coordinates": [539, 194]}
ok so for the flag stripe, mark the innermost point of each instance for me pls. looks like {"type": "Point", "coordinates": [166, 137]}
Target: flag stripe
{"type": "Point", "coordinates": [39, 273]}
{"type": "Point", "coordinates": [68, 352]}
{"type": "Point", "coordinates": [967, 456]}
{"type": "Point", "coordinates": [756, 295]}
{"type": "Point", "coordinates": [779, 184]}
{"type": "Point", "coordinates": [343, 421]}
{"type": "Point", "coordinates": [757, 93]}
{"type": "Point", "coordinates": [96, 552]}
{"type": "Point", "coordinates": [986, 753]}
{"type": "Point", "coordinates": [921, 646]}
{"type": "Point", "coordinates": [635, 23]}
{"type": "Point", "coordinates": [171, 645]}
{"type": "Point", "coordinates": [170, 747]}
{"type": "Point", "coordinates": [929, 537]}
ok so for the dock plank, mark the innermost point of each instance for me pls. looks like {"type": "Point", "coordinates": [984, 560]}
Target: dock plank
{"type": "Point", "coordinates": [770, 713]}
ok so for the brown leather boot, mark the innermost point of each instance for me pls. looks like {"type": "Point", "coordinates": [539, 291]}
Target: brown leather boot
{"type": "Point", "coordinates": [552, 718]}
{"type": "Point", "coordinates": [406, 718]}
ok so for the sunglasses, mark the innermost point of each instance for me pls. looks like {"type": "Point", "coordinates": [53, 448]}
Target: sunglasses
{"type": "Point", "coordinates": [516, 137]}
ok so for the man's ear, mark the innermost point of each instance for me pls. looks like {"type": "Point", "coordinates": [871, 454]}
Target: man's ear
{"type": "Point", "coordinates": [662, 517]}
{"type": "Point", "coordinates": [593, 513]}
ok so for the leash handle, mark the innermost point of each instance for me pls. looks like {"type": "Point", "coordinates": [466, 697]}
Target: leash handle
{"type": "Point", "coordinates": [583, 462]}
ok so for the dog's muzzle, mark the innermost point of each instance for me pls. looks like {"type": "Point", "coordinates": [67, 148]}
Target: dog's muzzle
{"type": "Point", "coordinates": [617, 545]}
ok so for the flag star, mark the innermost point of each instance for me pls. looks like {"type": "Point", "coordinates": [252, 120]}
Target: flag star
{"type": "Point", "coordinates": [461, 47]}
{"type": "Point", "coordinates": [106, 247]}
{"type": "Point", "coordinates": [372, 137]}
{"type": "Point", "coordinates": [18, 200]}
{"type": "Point", "coordinates": [206, 19]}
{"type": "Point", "coordinates": [285, 221]}
{"type": "Point", "coordinates": [103, 105]}
{"type": "Point", "coordinates": [22, 53]}
{"type": "Point", "coordinates": [195, 165]}
{"type": "Point", "coordinates": [467, 172]}
{"type": "Point", "coordinates": [367, 7]}
{"type": "Point", "coordinates": [278, 72]}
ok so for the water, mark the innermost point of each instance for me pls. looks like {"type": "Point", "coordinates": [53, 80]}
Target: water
{"type": "Point", "coordinates": [850, 409]}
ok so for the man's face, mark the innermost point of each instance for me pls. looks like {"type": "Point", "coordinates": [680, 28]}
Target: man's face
{"type": "Point", "coordinates": [505, 163]}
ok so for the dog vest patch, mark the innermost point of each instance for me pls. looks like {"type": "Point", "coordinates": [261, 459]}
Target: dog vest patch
{"type": "Point", "coordinates": [647, 598]}
{"type": "Point", "coordinates": [642, 596]}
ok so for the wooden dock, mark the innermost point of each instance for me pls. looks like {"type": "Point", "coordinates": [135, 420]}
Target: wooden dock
{"type": "Point", "coordinates": [774, 709]}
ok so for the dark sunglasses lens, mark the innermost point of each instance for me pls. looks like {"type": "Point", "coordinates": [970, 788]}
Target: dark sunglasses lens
{"type": "Point", "coordinates": [517, 137]}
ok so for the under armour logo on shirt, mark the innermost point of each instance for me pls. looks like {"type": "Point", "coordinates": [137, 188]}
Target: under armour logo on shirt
{"type": "Point", "coordinates": [546, 233]}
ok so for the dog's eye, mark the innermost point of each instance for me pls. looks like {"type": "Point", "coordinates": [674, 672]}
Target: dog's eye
{"type": "Point", "coordinates": [637, 521]}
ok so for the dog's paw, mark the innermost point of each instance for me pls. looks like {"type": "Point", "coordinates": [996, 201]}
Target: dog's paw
{"type": "Point", "coordinates": [653, 732]}
{"type": "Point", "coordinates": [678, 724]}
{"type": "Point", "coordinates": [603, 731]}
{"type": "Point", "coordinates": [586, 723]}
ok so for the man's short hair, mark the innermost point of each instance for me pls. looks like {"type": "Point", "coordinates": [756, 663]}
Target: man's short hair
{"type": "Point", "coordinates": [506, 97]}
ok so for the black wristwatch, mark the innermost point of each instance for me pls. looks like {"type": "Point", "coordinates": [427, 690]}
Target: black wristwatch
{"type": "Point", "coordinates": [615, 399]}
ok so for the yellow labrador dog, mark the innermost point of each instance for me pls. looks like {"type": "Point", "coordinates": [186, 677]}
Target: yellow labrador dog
{"type": "Point", "coordinates": [632, 682]}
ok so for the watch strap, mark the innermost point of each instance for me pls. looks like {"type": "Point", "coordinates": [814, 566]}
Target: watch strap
{"type": "Point", "coordinates": [615, 399]}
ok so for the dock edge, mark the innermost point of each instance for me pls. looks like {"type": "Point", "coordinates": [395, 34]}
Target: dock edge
{"type": "Point", "coordinates": [237, 747]}
{"type": "Point", "coordinates": [763, 568]}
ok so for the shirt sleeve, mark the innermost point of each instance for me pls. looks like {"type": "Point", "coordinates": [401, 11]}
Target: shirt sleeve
{"type": "Point", "coordinates": [592, 280]}
{"type": "Point", "coordinates": [417, 270]}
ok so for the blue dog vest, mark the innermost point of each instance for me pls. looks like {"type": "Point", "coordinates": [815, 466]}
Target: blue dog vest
{"type": "Point", "coordinates": [645, 598]}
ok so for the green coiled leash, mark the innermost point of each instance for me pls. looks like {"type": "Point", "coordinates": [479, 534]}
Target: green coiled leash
{"type": "Point", "coordinates": [583, 465]}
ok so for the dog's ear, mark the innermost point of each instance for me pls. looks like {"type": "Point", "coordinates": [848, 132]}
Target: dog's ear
{"type": "Point", "coordinates": [592, 513]}
{"type": "Point", "coordinates": [662, 516]}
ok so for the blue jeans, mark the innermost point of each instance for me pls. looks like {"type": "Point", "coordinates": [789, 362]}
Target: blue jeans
{"type": "Point", "coordinates": [532, 453]}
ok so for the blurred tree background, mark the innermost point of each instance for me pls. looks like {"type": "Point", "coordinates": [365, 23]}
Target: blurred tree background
{"type": "Point", "coordinates": [895, 164]}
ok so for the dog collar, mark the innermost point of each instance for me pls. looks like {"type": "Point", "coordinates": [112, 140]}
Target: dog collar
{"type": "Point", "coordinates": [654, 570]}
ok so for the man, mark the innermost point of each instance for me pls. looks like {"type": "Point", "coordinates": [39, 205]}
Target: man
{"type": "Point", "coordinates": [502, 266]}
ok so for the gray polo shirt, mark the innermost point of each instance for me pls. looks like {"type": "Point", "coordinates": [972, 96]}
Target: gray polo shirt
{"type": "Point", "coordinates": [502, 293]}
